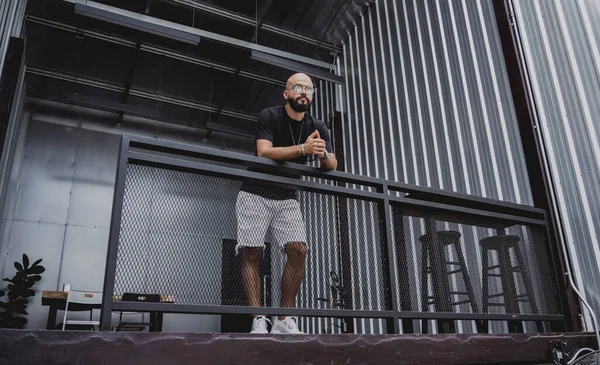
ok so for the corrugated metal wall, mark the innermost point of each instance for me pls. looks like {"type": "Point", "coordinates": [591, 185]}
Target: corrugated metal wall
{"type": "Point", "coordinates": [560, 40]}
{"type": "Point", "coordinates": [11, 23]}
{"type": "Point", "coordinates": [427, 101]}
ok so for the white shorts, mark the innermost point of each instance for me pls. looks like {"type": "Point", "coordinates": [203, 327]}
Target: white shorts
{"type": "Point", "coordinates": [255, 215]}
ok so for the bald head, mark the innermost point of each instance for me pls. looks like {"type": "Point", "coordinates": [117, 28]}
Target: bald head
{"type": "Point", "coordinates": [298, 78]}
{"type": "Point", "coordinates": [298, 98]}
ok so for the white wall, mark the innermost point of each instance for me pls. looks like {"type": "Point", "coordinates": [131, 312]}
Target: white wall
{"type": "Point", "coordinates": [59, 204]}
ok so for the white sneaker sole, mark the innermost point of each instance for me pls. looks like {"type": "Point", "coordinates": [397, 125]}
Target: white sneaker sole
{"type": "Point", "coordinates": [276, 332]}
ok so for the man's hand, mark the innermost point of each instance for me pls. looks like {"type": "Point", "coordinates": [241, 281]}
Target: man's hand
{"type": "Point", "coordinates": [314, 145]}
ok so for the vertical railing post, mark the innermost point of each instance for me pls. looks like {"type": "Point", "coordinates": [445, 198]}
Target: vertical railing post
{"type": "Point", "coordinates": [113, 240]}
{"type": "Point", "coordinates": [387, 254]}
{"type": "Point", "coordinates": [402, 265]}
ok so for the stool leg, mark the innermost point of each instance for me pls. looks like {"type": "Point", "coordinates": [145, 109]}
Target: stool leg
{"type": "Point", "coordinates": [528, 285]}
{"type": "Point", "coordinates": [468, 286]}
{"type": "Point", "coordinates": [508, 287]}
{"type": "Point", "coordinates": [424, 284]}
{"type": "Point", "coordinates": [484, 286]}
{"type": "Point", "coordinates": [465, 275]}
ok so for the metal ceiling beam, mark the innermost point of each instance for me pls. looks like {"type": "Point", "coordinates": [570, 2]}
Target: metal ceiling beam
{"type": "Point", "coordinates": [296, 66]}
{"type": "Point", "coordinates": [132, 68]}
{"type": "Point", "coordinates": [120, 108]}
{"type": "Point", "coordinates": [202, 33]}
{"type": "Point", "coordinates": [244, 19]}
{"type": "Point", "coordinates": [233, 78]}
{"type": "Point", "coordinates": [152, 49]}
{"type": "Point", "coordinates": [144, 24]}
{"type": "Point", "coordinates": [139, 93]}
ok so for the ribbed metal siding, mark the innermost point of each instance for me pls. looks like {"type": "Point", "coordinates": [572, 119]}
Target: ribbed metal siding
{"type": "Point", "coordinates": [561, 44]}
{"type": "Point", "coordinates": [11, 22]}
{"type": "Point", "coordinates": [427, 99]}
{"type": "Point", "coordinates": [427, 102]}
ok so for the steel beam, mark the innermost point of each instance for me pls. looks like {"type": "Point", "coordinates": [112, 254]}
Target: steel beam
{"type": "Point", "coordinates": [131, 73]}
{"type": "Point", "coordinates": [241, 63]}
{"type": "Point", "coordinates": [147, 47]}
{"type": "Point", "coordinates": [216, 309]}
{"type": "Point", "coordinates": [144, 24]}
{"type": "Point", "coordinates": [140, 93]}
{"type": "Point", "coordinates": [296, 66]}
{"type": "Point", "coordinates": [199, 32]}
{"type": "Point", "coordinates": [244, 19]}
{"type": "Point", "coordinates": [463, 203]}
{"type": "Point", "coordinates": [112, 106]}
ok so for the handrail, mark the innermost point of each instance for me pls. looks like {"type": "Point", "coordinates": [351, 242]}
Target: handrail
{"type": "Point", "coordinates": [411, 191]}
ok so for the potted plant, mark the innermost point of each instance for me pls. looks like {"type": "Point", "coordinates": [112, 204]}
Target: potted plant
{"type": "Point", "coordinates": [19, 289]}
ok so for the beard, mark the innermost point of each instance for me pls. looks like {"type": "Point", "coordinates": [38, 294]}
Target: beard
{"type": "Point", "coordinates": [299, 107]}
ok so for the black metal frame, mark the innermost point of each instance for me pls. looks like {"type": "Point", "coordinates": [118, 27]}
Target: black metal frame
{"type": "Point", "coordinates": [417, 201]}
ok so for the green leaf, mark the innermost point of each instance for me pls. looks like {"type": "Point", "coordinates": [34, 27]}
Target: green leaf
{"type": "Point", "coordinates": [25, 262]}
{"type": "Point", "coordinates": [19, 267]}
{"type": "Point", "coordinates": [7, 279]}
{"type": "Point", "coordinates": [36, 263]}
{"type": "Point", "coordinates": [37, 270]}
{"type": "Point", "coordinates": [21, 311]}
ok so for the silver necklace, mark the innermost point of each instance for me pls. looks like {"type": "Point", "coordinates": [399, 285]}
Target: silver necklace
{"type": "Point", "coordinates": [299, 134]}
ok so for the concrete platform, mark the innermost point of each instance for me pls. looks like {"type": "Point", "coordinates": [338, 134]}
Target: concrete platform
{"type": "Point", "coordinates": [28, 347]}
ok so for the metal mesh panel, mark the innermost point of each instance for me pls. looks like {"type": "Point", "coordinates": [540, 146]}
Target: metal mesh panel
{"type": "Point", "coordinates": [172, 231]}
{"type": "Point", "coordinates": [344, 265]}
{"type": "Point", "coordinates": [190, 237]}
{"type": "Point", "coordinates": [179, 232]}
{"type": "Point", "coordinates": [462, 268]}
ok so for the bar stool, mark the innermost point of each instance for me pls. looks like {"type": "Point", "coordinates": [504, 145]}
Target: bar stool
{"type": "Point", "coordinates": [503, 244]}
{"type": "Point", "coordinates": [434, 262]}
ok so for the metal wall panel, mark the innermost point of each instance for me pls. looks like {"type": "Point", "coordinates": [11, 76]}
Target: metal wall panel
{"type": "Point", "coordinates": [560, 41]}
{"type": "Point", "coordinates": [12, 13]}
{"type": "Point", "coordinates": [59, 203]}
{"type": "Point", "coordinates": [427, 101]}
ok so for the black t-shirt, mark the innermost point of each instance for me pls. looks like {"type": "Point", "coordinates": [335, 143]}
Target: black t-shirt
{"type": "Point", "coordinates": [275, 125]}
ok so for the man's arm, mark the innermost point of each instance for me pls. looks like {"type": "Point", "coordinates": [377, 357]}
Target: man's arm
{"type": "Point", "coordinates": [329, 163]}
{"type": "Point", "coordinates": [313, 146]}
{"type": "Point", "coordinates": [264, 148]}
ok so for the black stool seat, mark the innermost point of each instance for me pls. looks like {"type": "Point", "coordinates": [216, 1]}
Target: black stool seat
{"type": "Point", "coordinates": [446, 237]}
{"type": "Point", "coordinates": [501, 242]}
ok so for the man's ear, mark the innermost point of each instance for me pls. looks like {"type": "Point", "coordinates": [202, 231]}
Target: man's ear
{"type": "Point", "coordinates": [285, 94]}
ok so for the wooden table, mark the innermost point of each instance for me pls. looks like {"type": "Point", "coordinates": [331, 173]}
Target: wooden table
{"type": "Point", "coordinates": [58, 300]}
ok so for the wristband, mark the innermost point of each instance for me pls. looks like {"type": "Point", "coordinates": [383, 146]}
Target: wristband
{"type": "Point", "coordinates": [302, 148]}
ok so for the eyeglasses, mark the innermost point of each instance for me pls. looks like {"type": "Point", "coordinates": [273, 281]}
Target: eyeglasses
{"type": "Point", "coordinates": [308, 89]}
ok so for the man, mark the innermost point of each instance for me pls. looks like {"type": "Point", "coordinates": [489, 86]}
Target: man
{"type": "Point", "coordinates": [284, 133]}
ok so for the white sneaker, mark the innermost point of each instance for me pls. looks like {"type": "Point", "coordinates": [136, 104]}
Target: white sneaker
{"type": "Point", "coordinates": [259, 325]}
{"type": "Point", "coordinates": [286, 326]}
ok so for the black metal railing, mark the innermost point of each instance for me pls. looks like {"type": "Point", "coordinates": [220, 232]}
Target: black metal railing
{"type": "Point", "coordinates": [402, 255]}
